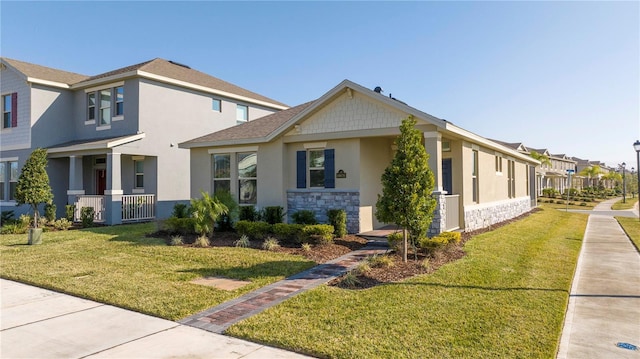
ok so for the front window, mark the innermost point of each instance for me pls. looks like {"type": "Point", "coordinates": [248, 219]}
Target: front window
{"type": "Point", "coordinates": [316, 168]}
{"type": "Point", "coordinates": [105, 107]}
{"type": "Point", "coordinates": [242, 114]}
{"type": "Point", "coordinates": [6, 111]}
{"type": "Point", "coordinates": [119, 92]}
{"type": "Point", "coordinates": [498, 163]}
{"type": "Point", "coordinates": [221, 173]}
{"type": "Point", "coordinates": [139, 170]}
{"type": "Point", "coordinates": [247, 178]}
{"type": "Point", "coordinates": [8, 180]}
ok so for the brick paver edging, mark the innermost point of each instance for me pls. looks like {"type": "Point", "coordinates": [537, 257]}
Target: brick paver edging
{"type": "Point", "coordinates": [221, 317]}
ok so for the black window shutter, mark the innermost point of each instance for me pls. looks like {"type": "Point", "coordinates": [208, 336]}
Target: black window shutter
{"type": "Point", "coordinates": [14, 109]}
{"type": "Point", "coordinates": [329, 168]}
{"type": "Point", "coordinates": [301, 169]}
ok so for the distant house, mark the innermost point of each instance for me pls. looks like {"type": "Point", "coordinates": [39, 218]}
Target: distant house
{"type": "Point", "coordinates": [331, 153]}
{"type": "Point", "coordinates": [112, 138]}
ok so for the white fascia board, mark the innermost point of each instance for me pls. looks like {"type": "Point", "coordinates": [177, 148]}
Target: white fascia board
{"type": "Point", "coordinates": [125, 140]}
{"type": "Point", "coordinates": [47, 83]}
{"type": "Point", "coordinates": [103, 80]}
{"type": "Point", "coordinates": [168, 80]}
{"type": "Point", "coordinates": [227, 143]}
{"type": "Point", "coordinates": [97, 146]}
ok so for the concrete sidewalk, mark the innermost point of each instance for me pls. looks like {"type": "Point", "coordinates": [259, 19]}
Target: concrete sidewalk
{"type": "Point", "coordinates": [603, 314]}
{"type": "Point", "coordinates": [38, 323]}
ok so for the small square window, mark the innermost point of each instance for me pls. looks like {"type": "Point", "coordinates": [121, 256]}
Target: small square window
{"type": "Point", "coordinates": [216, 105]}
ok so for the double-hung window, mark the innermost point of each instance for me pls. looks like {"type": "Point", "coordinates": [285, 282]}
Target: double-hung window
{"type": "Point", "coordinates": [138, 166]}
{"type": "Point", "coordinates": [498, 164]}
{"type": "Point", "coordinates": [242, 114]}
{"type": "Point", "coordinates": [91, 106]}
{"type": "Point", "coordinates": [8, 180]}
{"type": "Point", "coordinates": [511, 181]}
{"type": "Point", "coordinates": [119, 94]}
{"type": "Point", "coordinates": [221, 173]}
{"type": "Point", "coordinates": [247, 178]}
{"type": "Point", "coordinates": [9, 110]}
{"type": "Point", "coordinates": [315, 168]}
{"type": "Point", "coordinates": [105, 107]}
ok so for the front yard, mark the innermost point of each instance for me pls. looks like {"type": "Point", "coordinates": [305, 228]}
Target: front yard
{"type": "Point", "coordinates": [505, 299]}
{"type": "Point", "coordinates": [121, 266]}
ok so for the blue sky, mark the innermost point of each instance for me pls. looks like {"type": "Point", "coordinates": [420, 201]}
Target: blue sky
{"type": "Point", "coordinates": [560, 75]}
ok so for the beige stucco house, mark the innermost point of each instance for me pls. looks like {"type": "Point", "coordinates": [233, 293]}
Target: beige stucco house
{"type": "Point", "coordinates": [331, 153]}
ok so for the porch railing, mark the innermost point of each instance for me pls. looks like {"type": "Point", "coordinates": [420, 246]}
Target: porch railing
{"type": "Point", "coordinates": [97, 202]}
{"type": "Point", "coordinates": [138, 207]}
{"type": "Point", "coordinates": [452, 207]}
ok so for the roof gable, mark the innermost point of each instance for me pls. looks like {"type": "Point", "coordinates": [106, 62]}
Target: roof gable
{"type": "Point", "coordinates": [34, 72]}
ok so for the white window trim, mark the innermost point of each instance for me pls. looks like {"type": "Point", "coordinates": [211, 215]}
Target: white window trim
{"type": "Point", "coordinates": [103, 127]}
{"type": "Point", "coordinates": [314, 168]}
{"type": "Point", "coordinates": [315, 145]}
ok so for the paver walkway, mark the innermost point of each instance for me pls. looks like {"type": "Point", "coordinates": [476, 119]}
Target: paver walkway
{"type": "Point", "coordinates": [221, 317]}
{"type": "Point", "coordinates": [603, 314]}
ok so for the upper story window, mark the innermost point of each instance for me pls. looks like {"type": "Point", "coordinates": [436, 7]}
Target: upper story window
{"type": "Point", "coordinates": [9, 111]}
{"type": "Point", "coordinates": [105, 105]}
{"type": "Point", "coordinates": [242, 114]}
{"type": "Point", "coordinates": [8, 180]}
{"type": "Point", "coordinates": [119, 93]}
{"type": "Point", "coordinates": [216, 105]}
{"type": "Point", "coordinates": [498, 163]}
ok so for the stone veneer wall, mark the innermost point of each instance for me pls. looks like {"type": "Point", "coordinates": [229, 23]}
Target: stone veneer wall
{"type": "Point", "coordinates": [439, 215]}
{"type": "Point", "coordinates": [481, 216]}
{"type": "Point", "coordinates": [319, 201]}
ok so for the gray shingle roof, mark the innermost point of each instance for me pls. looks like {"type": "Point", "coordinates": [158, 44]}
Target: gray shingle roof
{"type": "Point", "coordinates": [168, 69]}
{"type": "Point", "coordinates": [45, 73]}
{"type": "Point", "coordinates": [257, 128]}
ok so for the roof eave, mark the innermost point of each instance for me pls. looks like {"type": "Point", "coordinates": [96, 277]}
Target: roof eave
{"type": "Point", "coordinates": [223, 143]}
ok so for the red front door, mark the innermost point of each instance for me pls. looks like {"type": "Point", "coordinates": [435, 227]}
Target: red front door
{"type": "Point", "coordinates": [101, 182]}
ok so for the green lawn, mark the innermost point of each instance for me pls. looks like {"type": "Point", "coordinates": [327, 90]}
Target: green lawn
{"type": "Point", "coordinates": [505, 299]}
{"type": "Point", "coordinates": [120, 266]}
{"type": "Point", "coordinates": [632, 227]}
{"type": "Point", "coordinates": [628, 205]}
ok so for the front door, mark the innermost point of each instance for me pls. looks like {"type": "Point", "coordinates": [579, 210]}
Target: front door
{"type": "Point", "coordinates": [447, 179]}
{"type": "Point", "coordinates": [101, 181]}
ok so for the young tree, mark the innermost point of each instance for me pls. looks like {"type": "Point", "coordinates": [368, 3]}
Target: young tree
{"type": "Point", "coordinates": [33, 184]}
{"type": "Point", "coordinates": [407, 186]}
{"type": "Point", "coordinates": [592, 173]}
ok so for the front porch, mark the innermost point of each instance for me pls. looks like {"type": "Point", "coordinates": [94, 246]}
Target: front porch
{"type": "Point", "coordinates": [133, 208]}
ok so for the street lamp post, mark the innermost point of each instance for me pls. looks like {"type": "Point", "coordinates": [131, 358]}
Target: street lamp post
{"type": "Point", "coordinates": [624, 184]}
{"type": "Point", "coordinates": [636, 146]}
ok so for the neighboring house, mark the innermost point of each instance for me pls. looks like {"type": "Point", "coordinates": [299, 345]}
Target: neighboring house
{"type": "Point", "coordinates": [593, 181]}
{"type": "Point", "coordinates": [331, 153]}
{"type": "Point", "coordinates": [112, 138]}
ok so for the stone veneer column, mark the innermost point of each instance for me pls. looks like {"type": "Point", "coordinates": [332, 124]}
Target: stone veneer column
{"type": "Point", "coordinates": [439, 222]}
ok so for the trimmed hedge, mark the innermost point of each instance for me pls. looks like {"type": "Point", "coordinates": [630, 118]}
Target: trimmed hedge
{"type": "Point", "coordinates": [338, 219]}
{"type": "Point", "coordinates": [318, 233]}
{"type": "Point", "coordinates": [254, 230]}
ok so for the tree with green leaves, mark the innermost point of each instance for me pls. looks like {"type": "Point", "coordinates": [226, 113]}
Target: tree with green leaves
{"type": "Point", "coordinates": [205, 212]}
{"type": "Point", "coordinates": [33, 184]}
{"type": "Point", "coordinates": [544, 159]}
{"type": "Point", "coordinates": [407, 186]}
{"type": "Point", "coordinates": [591, 172]}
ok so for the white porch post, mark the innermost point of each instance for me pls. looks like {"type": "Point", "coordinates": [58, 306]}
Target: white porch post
{"type": "Point", "coordinates": [113, 193]}
{"type": "Point", "coordinates": [433, 146]}
{"type": "Point", "coordinates": [76, 187]}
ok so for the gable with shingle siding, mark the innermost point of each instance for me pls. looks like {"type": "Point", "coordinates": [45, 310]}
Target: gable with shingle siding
{"type": "Point", "coordinates": [351, 112]}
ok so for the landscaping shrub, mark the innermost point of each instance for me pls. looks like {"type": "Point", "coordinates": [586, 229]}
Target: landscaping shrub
{"type": "Point", "coordinates": [583, 204]}
{"type": "Point", "coordinates": [86, 216]}
{"type": "Point", "coordinates": [50, 212]}
{"type": "Point", "coordinates": [338, 219]}
{"type": "Point", "coordinates": [304, 216]}
{"type": "Point", "coordinates": [14, 228]}
{"type": "Point", "coordinates": [549, 192]}
{"type": "Point", "coordinates": [439, 241]}
{"type": "Point", "coordinates": [319, 233]}
{"type": "Point", "coordinates": [559, 202]}
{"type": "Point", "coordinates": [242, 242]}
{"type": "Point", "coordinates": [202, 242]}
{"type": "Point", "coordinates": [288, 233]}
{"type": "Point", "coordinates": [180, 210]}
{"type": "Point", "coordinates": [270, 244]}
{"type": "Point", "coordinates": [179, 225]}
{"type": "Point", "coordinates": [176, 241]}
{"type": "Point", "coordinates": [306, 247]}
{"type": "Point", "coordinates": [249, 213]}
{"type": "Point", "coordinates": [62, 224]}
{"type": "Point", "coordinates": [273, 214]}
{"type": "Point", "coordinates": [380, 261]}
{"type": "Point", "coordinates": [205, 212]}
{"type": "Point", "coordinates": [69, 212]}
{"type": "Point", "coordinates": [226, 220]}
{"type": "Point", "coordinates": [394, 240]}
{"type": "Point", "coordinates": [255, 230]}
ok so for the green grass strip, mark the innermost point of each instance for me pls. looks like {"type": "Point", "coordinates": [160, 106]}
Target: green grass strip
{"type": "Point", "coordinates": [632, 227]}
{"type": "Point", "coordinates": [505, 299]}
{"type": "Point", "coordinates": [120, 266]}
{"type": "Point", "coordinates": [630, 202]}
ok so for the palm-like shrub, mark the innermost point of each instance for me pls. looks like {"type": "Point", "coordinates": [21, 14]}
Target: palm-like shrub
{"type": "Point", "coordinates": [205, 212]}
